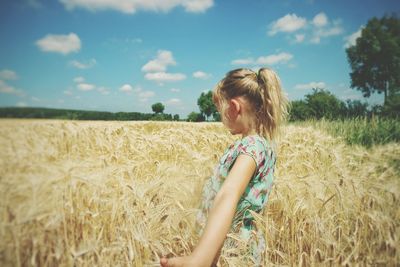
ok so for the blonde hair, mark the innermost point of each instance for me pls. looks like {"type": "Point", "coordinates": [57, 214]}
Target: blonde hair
{"type": "Point", "coordinates": [262, 91]}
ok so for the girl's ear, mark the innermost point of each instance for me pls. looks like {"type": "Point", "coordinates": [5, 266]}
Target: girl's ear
{"type": "Point", "coordinates": [235, 106]}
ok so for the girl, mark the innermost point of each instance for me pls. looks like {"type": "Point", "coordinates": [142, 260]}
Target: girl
{"type": "Point", "coordinates": [251, 104]}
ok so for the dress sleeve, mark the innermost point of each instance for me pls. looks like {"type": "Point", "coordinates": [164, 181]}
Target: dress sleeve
{"type": "Point", "coordinates": [254, 148]}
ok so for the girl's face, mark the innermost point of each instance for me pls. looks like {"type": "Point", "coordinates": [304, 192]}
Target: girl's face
{"type": "Point", "coordinates": [231, 116]}
{"type": "Point", "coordinates": [232, 113]}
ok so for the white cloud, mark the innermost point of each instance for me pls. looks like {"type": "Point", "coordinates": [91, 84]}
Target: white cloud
{"type": "Point", "coordinates": [126, 88]}
{"type": "Point", "coordinates": [243, 61]}
{"type": "Point", "coordinates": [8, 75]}
{"type": "Point", "coordinates": [201, 75]}
{"type": "Point", "coordinates": [351, 39]}
{"type": "Point", "coordinates": [280, 58]}
{"type": "Point", "coordinates": [21, 104]}
{"type": "Point", "coordinates": [138, 89]}
{"type": "Point", "coordinates": [68, 92]}
{"type": "Point", "coordinates": [165, 77]}
{"type": "Point", "coordinates": [8, 89]}
{"type": "Point", "coordinates": [146, 94]}
{"type": "Point", "coordinates": [335, 30]}
{"type": "Point", "coordinates": [310, 85]}
{"type": "Point", "coordinates": [131, 6]}
{"type": "Point", "coordinates": [320, 20]}
{"type": "Point", "coordinates": [143, 95]}
{"type": "Point", "coordinates": [156, 68]}
{"type": "Point", "coordinates": [85, 86]}
{"type": "Point", "coordinates": [197, 6]}
{"type": "Point", "coordinates": [326, 31]}
{"type": "Point", "coordinates": [299, 38]}
{"type": "Point", "coordinates": [103, 90]}
{"type": "Point", "coordinates": [321, 33]}
{"type": "Point", "coordinates": [273, 59]}
{"type": "Point", "coordinates": [35, 99]}
{"type": "Point", "coordinates": [134, 40]}
{"type": "Point", "coordinates": [174, 102]}
{"type": "Point", "coordinates": [79, 79]}
{"type": "Point", "coordinates": [175, 90]}
{"type": "Point", "coordinates": [83, 65]}
{"type": "Point", "coordinates": [312, 31]}
{"type": "Point", "coordinates": [315, 40]}
{"type": "Point", "coordinates": [164, 58]}
{"type": "Point", "coordinates": [350, 94]}
{"type": "Point", "coordinates": [63, 44]}
{"type": "Point", "coordinates": [114, 42]}
{"type": "Point", "coordinates": [288, 23]}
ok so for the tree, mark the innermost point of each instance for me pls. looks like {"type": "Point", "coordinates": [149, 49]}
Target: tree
{"type": "Point", "coordinates": [375, 58]}
{"type": "Point", "coordinates": [299, 110]}
{"type": "Point", "coordinates": [355, 108]}
{"type": "Point", "coordinates": [324, 104]}
{"type": "Point", "coordinates": [206, 104]}
{"type": "Point", "coordinates": [217, 116]}
{"type": "Point", "coordinates": [195, 117]}
{"type": "Point", "coordinates": [158, 108]}
{"type": "Point", "coordinates": [392, 107]}
{"type": "Point", "coordinates": [176, 117]}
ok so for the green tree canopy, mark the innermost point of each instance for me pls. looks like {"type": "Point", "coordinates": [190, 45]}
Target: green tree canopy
{"type": "Point", "coordinates": [195, 117]}
{"type": "Point", "coordinates": [375, 58]}
{"type": "Point", "coordinates": [392, 107]}
{"type": "Point", "coordinates": [206, 105]}
{"type": "Point", "coordinates": [355, 108]}
{"type": "Point", "coordinates": [299, 110]}
{"type": "Point", "coordinates": [324, 104]}
{"type": "Point", "coordinates": [158, 108]}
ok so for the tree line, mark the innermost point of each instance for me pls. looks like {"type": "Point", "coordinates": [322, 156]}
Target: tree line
{"type": "Point", "coordinates": [318, 104]}
{"type": "Point", "coordinates": [69, 114]}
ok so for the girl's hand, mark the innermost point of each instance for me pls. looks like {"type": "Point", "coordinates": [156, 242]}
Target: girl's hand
{"type": "Point", "coordinates": [177, 262]}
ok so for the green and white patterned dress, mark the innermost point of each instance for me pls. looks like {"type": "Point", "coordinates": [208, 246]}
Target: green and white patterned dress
{"type": "Point", "coordinates": [255, 196]}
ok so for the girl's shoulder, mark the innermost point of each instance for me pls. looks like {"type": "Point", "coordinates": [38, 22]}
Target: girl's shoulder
{"type": "Point", "coordinates": [255, 146]}
{"type": "Point", "coordinates": [255, 140]}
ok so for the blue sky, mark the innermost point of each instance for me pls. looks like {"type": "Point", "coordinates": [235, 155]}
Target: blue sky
{"type": "Point", "coordinates": [125, 55]}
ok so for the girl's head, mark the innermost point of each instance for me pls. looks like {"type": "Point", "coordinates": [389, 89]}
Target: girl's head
{"type": "Point", "coordinates": [251, 100]}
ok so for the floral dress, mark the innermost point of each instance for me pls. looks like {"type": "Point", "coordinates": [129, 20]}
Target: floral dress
{"type": "Point", "coordinates": [256, 193]}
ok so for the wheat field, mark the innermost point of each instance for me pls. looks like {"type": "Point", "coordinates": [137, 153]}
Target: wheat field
{"type": "Point", "coordinates": [96, 193]}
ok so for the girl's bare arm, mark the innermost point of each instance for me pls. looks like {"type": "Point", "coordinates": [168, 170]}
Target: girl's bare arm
{"type": "Point", "coordinates": [220, 216]}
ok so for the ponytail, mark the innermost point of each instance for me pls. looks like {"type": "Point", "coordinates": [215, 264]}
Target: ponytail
{"type": "Point", "coordinates": [274, 109]}
{"type": "Point", "coordinates": [264, 94]}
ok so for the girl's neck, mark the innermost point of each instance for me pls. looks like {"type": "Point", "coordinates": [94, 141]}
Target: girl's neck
{"type": "Point", "coordinates": [248, 131]}
{"type": "Point", "coordinates": [247, 127]}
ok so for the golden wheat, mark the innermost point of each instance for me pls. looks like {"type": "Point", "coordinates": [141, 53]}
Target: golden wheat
{"type": "Point", "coordinates": [77, 193]}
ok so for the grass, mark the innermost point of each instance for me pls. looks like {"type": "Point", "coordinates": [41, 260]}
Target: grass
{"type": "Point", "coordinates": [88, 193]}
{"type": "Point", "coordinates": [361, 131]}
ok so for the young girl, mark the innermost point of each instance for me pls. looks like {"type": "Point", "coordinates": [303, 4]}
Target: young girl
{"type": "Point", "coordinates": [251, 104]}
